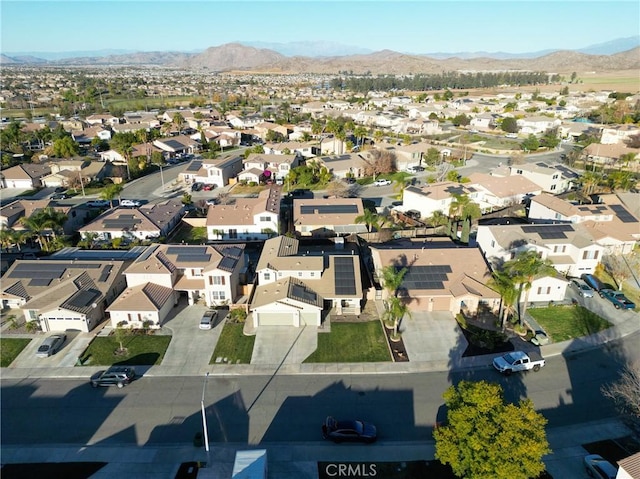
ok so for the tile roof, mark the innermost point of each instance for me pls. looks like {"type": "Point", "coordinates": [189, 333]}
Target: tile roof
{"type": "Point", "coordinates": [143, 297]}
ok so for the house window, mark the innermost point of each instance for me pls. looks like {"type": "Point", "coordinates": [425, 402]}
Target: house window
{"type": "Point", "coordinates": [267, 276]}
{"type": "Point", "coordinates": [233, 233]}
{"type": "Point", "coordinates": [196, 272]}
{"type": "Point", "coordinates": [312, 274]}
{"type": "Point", "coordinates": [493, 243]}
{"type": "Point", "coordinates": [554, 177]}
{"type": "Point", "coordinates": [558, 216]}
{"type": "Point", "coordinates": [218, 295]}
{"type": "Point", "coordinates": [553, 187]}
{"type": "Point", "coordinates": [590, 255]}
{"type": "Point", "coordinates": [559, 249]}
{"type": "Point", "coordinates": [265, 219]}
{"type": "Point", "coordinates": [546, 290]}
{"type": "Point", "coordinates": [300, 274]}
{"type": "Point", "coordinates": [218, 280]}
{"type": "Point", "coordinates": [518, 172]}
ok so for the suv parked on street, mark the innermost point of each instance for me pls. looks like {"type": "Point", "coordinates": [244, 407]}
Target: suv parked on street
{"type": "Point", "coordinates": [114, 376]}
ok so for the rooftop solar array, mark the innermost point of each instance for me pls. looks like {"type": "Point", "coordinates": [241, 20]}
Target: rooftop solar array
{"type": "Point", "coordinates": [122, 222]}
{"type": "Point", "coordinates": [566, 171]}
{"type": "Point", "coordinates": [233, 251]}
{"type": "Point", "coordinates": [594, 209]}
{"type": "Point", "coordinates": [228, 263]}
{"type": "Point", "coordinates": [38, 269]}
{"type": "Point", "coordinates": [83, 298]}
{"type": "Point", "coordinates": [301, 293]}
{"type": "Point", "coordinates": [623, 215]}
{"type": "Point", "coordinates": [186, 250]}
{"type": "Point", "coordinates": [328, 209]}
{"type": "Point", "coordinates": [106, 271]}
{"type": "Point", "coordinates": [549, 231]}
{"type": "Point", "coordinates": [344, 275]}
{"type": "Point", "coordinates": [194, 166]}
{"type": "Point", "coordinates": [426, 277]}
{"type": "Point", "coordinates": [193, 258]}
{"type": "Point", "coordinates": [40, 281]}
{"type": "Point", "coordinates": [457, 190]}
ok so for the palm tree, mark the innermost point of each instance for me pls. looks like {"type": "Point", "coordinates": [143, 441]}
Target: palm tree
{"type": "Point", "coordinates": [7, 238]}
{"type": "Point", "coordinates": [503, 283]}
{"type": "Point", "coordinates": [369, 218]}
{"type": "Point", "coordinates": [55, 219]}
{"type": "Point", "coordinates": [438, 219]}
{"type": "Point", "coordinates": [590, 181]}
{"type": "Point", "coordinates": [524, 268]}
{"type": "Point", "coordinates": [37, 225]}
{"type": "Point", "coordinates": [110, 192]}
{"type": "Point", "coordinates": [396, 309]}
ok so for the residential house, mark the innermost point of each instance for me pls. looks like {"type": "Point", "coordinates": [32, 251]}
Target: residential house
{"type": "Point", "coordinates": [295, 288]}
{"type": "Point", "coordinates": [321, 218]}
{"type": "Point", "coordinates": [495, 192]}
{"type": "Point", "coordinates": [259, 166]}
{"type": "Point", "coordinates": [146, 222]}
{"type": "Point", "coordinates": [262, 129]}
{"type": "Point", "coordinates": [24, 176]}
{"type": "Point", "coordinates": [86, 136]}
{"type": "Point", "coordinates": [618, 134]}
{"type": "Point", "coordinates": [570, 247]}
{"type": "Point", "coordinates": [440, 275]}
{"type": "Point", "coordinates": [484, 121]}
{"type": "Point", "coordinates": [554, 178]}
{"type": "Point", "coordinates": [307, 150]}
{"type": "Point", "coordinates": [435, 197]}
{"type": "Point", "coordinates": [217, 171]}
{"type": "Point", "coordinates": [247, 218]}
{"type": "Point", "coordinates": [163, 273]}
{"type": "Point", "coordinates": [610, 223]}
{"type": "Point", "coordinates": [102, 119]}
{"type": "Point", "coordinates": [610, 154]}
{"type": "Point", "coordinates": [63, 294]}
{"type": "Point", "coordinates": [11, 213]}
{"type": "Point", "coordinates": [419, 126]}
{"type": "Point", "coordinates": [244, 122]}
{"type": "Point", "coordinates": [537, 125]}
{"type": "Point", "coordinates": [180, 144]}
{"type": "Point", "coordinates": [343, 166]}
{"type": "Point", "coordinates": [315, 108]}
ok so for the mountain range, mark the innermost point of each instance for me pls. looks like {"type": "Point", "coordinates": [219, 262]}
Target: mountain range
{"type": "Point", "coordinates": [240, 57]}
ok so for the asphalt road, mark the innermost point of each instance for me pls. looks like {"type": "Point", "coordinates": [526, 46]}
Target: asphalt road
{"type": "Point", "coordinates": [165, 410]}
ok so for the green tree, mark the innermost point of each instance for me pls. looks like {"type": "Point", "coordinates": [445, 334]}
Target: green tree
{"type": "Point", "coordinates": [369, 218]}
{"type": "Point", "coordinates": [461, 120]}
{"type": "Point", "coordinates": [44, 223]}
{"type": "Point", "coordinates": [524, 268]}
{"type": "Point", "coordinates": [531, 143]}
{"type": "Point", "coordinates": [452, 175]}
{"type": "Point", "coordinates": [438, 219]}
{"type": "Point", "coordinates": [65, 147]}
{"type": "Point", "coordinates": [109, 192]}
{"type": "Point", "coordinates": [509, 124]}
{"type": "Point", "coordinates": [432, 157]}
{"type": "Point", "coordinates": [503, 284]}
{"type": "Point", "coordinates": [487, 438]}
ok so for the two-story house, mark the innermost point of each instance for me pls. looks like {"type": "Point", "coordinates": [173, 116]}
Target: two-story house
{"type": "Point", "coordinates": [494, 192]}
{"type": "Point", "coordinates": [163, 273]}
{"type": "Point", "coordinates": [295, 286]}
{"type": "Point", "coordinates": [537, 125]}
{"type": "Point", "coordinates": [24, 176]}
{"type": "Point", "coordinates": [570, 247]}
{"type": "Point", "coordinates": [247, 218]}
{"type": "Point", "coordinates": [553, 178]}
{"type": "Point", "coordinates": [611, 224]}
{"type": "Point", "coordinates": [217, 171]}
{"type": "Point", "coordinates": [435, 197]}
{"type": "Point", "coordinates": [259, 167]}
{"type": "Point", "coordinates": [321, 218]}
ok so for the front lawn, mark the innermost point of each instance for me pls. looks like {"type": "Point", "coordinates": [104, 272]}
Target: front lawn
{"type": "Point", "coordinates": [351, 343]}
{"type": "Point", "coordinates": [141, 350]}
{"type": "Point", "coordinates": [190, 234]}
{"type": "Point", "coordinates": [233, 345]}
{"type": "Point", "coordinates": [568, 322]}
{"type": "Point", "coordinates": [10, 348]}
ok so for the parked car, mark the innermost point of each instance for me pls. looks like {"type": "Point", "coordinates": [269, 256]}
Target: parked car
{"type": "Point", "coordinates": [617, 298]}
{"type": "Point", "coordinates": [98, 203]}
{"type": "Point", "coordinates": [208, 187]}
{"type": "Point", "coordinates": [517, 361]}
{"type": "Point", "coordinates": [197, 186]}
{"type": "Point", "coordinates": [583, 288]}
{"type": "Point", "coordinates": [350, 430]}
{"type": "Point", "coordinates": [130, 203]}
{"type": "Point", "coordinates": [114, 376]}
{"type": "Point", "coordinates": [413, 214]}
{"type": "Point", "coordinates": [211, 202]}
{"type": "Point", "coordinates": [415, 169]}
{"type": "Point", "coordinates": [51, 345]}
{"type": "Point", "coordinates": [208, 318]}
{"type": "Point", "coordinates": [593, 282]}
{"type": "Point", "coordinates": [540, 338]}
{"type": "Point", "coordinates": [599, 468]}
{"type": "Point", "coordinates": [349, 180]}
{"type": "Point", "coordinates": [382, 182]}
{"type": "Point", "coordinates": [60, 196]}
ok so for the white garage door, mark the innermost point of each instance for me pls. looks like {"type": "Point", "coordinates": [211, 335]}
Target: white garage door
{"type": "Point", "coordinates": [310, 319]}
{"type": "Point", "coordinates": [275, 319]}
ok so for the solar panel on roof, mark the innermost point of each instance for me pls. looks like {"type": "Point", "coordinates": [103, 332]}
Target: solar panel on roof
{"type": "Point", "coordinates": [623, 215]}
{"type": "Point", "coordinates": [40, 281]}
{"type": "Point", "coordinates": [186, 250]}
{"type": "Point", "coordinates": [426, 277]}
{"type": "Point", "coordinates": [328, 209]}
{"type": "Point", "coordinates": [300, 292]}
{"type": "Point", "coordinates": [83, 298]}
{"type": "Point", "coordinates": [552, 235]}
{"type": "Point", "coordinates": [228, 263]}
{"type": "Point", "coordinates": [106, 271]}
{"type": "Point", "coordinates": [193, 258]}
{"type": "Point", "coordinates": [344, 276]}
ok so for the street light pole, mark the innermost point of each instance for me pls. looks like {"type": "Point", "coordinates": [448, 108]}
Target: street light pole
{"type": "Point", "coordinates": [162, 179]}
{"type": "Point", "coordinates": [204, 416]}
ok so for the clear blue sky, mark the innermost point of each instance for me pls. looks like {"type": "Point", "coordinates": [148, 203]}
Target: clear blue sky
{"type": "Point", "coordinates": [407, 26]}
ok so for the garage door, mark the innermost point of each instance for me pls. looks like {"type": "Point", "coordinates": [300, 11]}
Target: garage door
{"type": "Point", "coordinates": [441, 304]}
{"type": "Point", "coordinates": [310, 319]}
{"type": "Point", "coordinates": [275, 319]}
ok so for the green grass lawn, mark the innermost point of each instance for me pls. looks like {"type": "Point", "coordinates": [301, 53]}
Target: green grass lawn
{"type": "Point", "coordinates": [142, 350]}
{"type": "Point", "coordinates": [233, 345]}
{"type": "Point", "coordinates": [190, 234]}
{"type": "Point", "coordinates": [568, 322]}
{"type": "Point", "coordinates": [10, 348]}
{"type": "Point", "coordinates": [351, 343]}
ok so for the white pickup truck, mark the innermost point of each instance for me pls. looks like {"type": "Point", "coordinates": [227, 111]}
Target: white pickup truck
{"type": "Point", "coordinates": [517, 361]}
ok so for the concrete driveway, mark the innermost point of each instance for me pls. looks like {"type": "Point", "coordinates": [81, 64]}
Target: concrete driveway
{"type": "Point", "coordinates": [276, 345]}
{"type": "Point", "coordinates": [433, 336]}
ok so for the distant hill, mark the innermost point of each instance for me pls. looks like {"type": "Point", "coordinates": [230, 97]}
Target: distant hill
{"type": "Point", "coordinates": [238, 57]}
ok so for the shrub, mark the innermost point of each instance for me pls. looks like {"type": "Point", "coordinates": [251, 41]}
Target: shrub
{"type": "Point", "coordinates": [237, 315]}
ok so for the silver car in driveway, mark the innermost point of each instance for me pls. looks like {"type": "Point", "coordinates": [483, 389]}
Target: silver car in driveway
{"type": "Point", "coordinates": [51, 345]}
{"type": "Point", "coordinates": [583, 288]}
